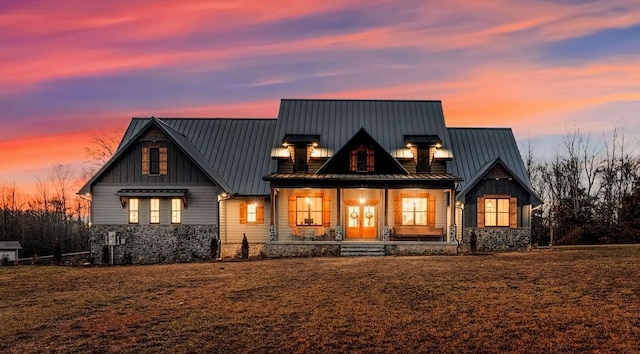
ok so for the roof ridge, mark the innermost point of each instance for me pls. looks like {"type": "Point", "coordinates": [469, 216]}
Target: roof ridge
{"type": "Point", "coordinates": [358, 100]}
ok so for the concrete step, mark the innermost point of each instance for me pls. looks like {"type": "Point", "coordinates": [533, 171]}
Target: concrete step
{"type": "Point", "coordinates": [352, 250]}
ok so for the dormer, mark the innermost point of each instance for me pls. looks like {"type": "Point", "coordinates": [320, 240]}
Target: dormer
{"type": "Point", "coordinates": [427, 153]}
{"type": "Point", "coordinates": [299, 148]}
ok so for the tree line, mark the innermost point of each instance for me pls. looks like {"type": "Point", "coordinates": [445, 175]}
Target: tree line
{"type": "Point", "coordinates": [591, 192]}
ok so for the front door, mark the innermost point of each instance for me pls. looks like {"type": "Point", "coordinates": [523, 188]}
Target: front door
{"type": "Point", "coordinates": [361, 221]}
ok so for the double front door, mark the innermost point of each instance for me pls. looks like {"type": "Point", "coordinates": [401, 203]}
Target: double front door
{"type": "Point", "coordinates": [362, 220]}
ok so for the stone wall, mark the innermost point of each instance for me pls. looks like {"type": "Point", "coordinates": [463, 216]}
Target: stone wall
{"type": "Point", "coordinates": [155, 243]}
{"type": "Point", "coordinates": [297, 249]}
{"type": "Point", "coordinates": [495, 239]}
{"type": "Point", "coordinates": [232, 250]}
{"type": "Point", "coordinates": [420, 248]}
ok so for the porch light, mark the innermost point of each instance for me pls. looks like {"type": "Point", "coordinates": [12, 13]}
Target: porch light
{"type": "Point", "coordinates": [285, 144]}
{"type": "Point", "coordinates": [314, 144]}
{"type": "Point", "coordinates": [307, 200]}
{"type": "Point", "coordinates": [362, 200]}
{"type": "Point", "coordinates": [409, 145]}
{"type": "Point", "coordinates": [438, 145]}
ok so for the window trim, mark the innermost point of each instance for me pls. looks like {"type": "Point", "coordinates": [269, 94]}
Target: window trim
{"type": "Point", "coordinates": [154, 214]}
{"type": "Point", "coordinates": [325, 220]}
{"type": "Point", "coordinates": [414, 211]}
{"type": "Point", "coordinates": [162, 160]}
{"type": "Point", "coordinates": [512, 211]}
{"type": "Point", "coordinates": [309, 212]}
{"type": "Point", "coordinates": [176, 211]}
{"type": "Point", "coordinates": [354, 165]}
{"type": "Point", "coordinates": [134, 211]}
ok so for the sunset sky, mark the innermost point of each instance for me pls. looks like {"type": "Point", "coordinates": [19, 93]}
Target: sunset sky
{"type": "Point", "coordinates": [71, 69]}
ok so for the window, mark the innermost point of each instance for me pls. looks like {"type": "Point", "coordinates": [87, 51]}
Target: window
{"type": "Point", "coordinates": [423, 160]}
{"type": "Point", "coordinates": [496, 211]}
{"type": "Point", "coordinates": [362, 160]}
{"type": "Point", "coordinates": [414, 208]}
{"type": "Point", "coordinates": [308, 211]}
{"type": "Point", "coordinates": [414, 211]}
{"type": "Point", "coordinates": [251, 212]}
{"type": "Point", "coordinates": [154, 211]}
{"type": "Point", "coordinates": [176, 211]}
{"type": "Point", "coordinates": [133, 211]}
{"type": "Point", "coordinates": [300, 159]}
{"type": "Point", "coordinates": [154, 160]}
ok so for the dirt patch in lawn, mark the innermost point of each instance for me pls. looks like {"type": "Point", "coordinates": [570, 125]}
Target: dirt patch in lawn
{"type": "Point", "coordinates": [558, 300]}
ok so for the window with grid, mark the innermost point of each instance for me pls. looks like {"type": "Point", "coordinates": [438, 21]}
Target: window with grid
{"type": "Point", "coordinates": [154, 211]}
{"type": "Point", "coordinates": [414, 211]}
{"type": "Point", "coordinates": [308, 211]}
{"type": "Point", "coordinates": [176, 211]}
{"type": "Point", "coordinates": [133, 211]}
{"type": "Point", "coordinates": [496, 212]}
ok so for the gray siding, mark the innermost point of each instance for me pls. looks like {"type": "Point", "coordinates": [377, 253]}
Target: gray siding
{"type": "Point", "coordinates": [233, 230]}
{"type": "Point", "coordinates": [201, 210]}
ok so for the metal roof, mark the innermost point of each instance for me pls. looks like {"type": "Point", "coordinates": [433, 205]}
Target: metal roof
{"type": "Point", "coordinates": [301, 138]}
{"type": "Point", "coordinates": [10, 245]}
{"type": "Point", "coordinates": [234, 151]}
{"type": "Point", "coordinates": [477, 149]}
{"type": "Point", "coordinates": [387, 121]}
{"type": "Point", "coordinates": [422, 139]}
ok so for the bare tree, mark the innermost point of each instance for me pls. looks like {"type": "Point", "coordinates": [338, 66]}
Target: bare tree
{"type": "Point", "coordinates": [101, 148]}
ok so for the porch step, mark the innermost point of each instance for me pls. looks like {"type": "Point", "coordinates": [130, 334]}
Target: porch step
{"type": "Point", "coordinates": [361, 249]}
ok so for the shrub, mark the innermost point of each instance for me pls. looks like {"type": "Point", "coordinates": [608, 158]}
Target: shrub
{"type": "Point", "coordinates": [105, 255]}
{"type": "Point", "coordinates": [244, 249]}
{"type": "Point", "coordinates": [214, 248]}
{"type": "Point", "coordinates": [5, 261]}
{"type": "Point", "coordinates": [57, 252]}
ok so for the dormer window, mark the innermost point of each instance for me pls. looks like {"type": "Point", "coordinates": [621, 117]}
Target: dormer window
{"type": "Point", "coordinates": [300, 159]}
{"type": "Point", "coordinates": [423, 165]}
{"type": "Point", "coordinates": [362, 160]}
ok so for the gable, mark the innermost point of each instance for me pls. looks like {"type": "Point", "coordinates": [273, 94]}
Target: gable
{"type": "Point", "coordinates": [362, 154]}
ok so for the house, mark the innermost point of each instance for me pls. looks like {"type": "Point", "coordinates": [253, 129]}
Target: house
{"type": "Point", "coordinates": [323, 176]}
{"type": "Point", "coordinates": [10, 250]}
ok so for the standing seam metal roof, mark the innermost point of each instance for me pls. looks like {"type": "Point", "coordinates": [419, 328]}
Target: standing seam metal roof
{"type": "Point", "coordinates": [387, 121]}
{"type": "Point", "coordinates": [474, 148]}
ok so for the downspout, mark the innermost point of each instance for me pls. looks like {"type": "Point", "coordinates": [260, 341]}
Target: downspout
{"type": "Point", "coordinates": [221, 197]}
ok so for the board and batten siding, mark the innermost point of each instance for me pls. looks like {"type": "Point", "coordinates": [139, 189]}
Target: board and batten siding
{"type": "Point", "coordinates": [231, 230]}
{"type": "Point", "coordinates": [497, 187]}
{"type": "Point", "coordinates": [201, 206]}
{"type": "Point", "coordinates": [128, 169]}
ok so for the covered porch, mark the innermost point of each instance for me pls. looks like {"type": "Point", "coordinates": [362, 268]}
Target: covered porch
{"type": "Point", "coordinates": [410, 209]}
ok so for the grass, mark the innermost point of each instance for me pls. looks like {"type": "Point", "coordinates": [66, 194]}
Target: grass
{"type": "Point", "coordinates": [560, 300]}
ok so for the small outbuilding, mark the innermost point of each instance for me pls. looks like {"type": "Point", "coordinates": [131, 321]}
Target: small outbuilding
{"type": "Point", "coordinates": [10, 249]}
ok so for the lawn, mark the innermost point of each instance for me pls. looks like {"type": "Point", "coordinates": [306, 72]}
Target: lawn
{"type": "Point", "coordinates": [560, 300]}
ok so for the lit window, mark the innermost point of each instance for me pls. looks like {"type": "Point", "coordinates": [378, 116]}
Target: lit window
{"type": "Point", "coordinates": [133, 211]}
{"type": "Point", "coordinates": [176, 211]}
{"type": "Point", "coordinates": [496, 212]}
{"type": "Point", "coordinates": [414, 211]}
{"type": "Point", "coordinates": [252, 212]}
{"type": "Point", "coordinates": [154, 211]}
{"type": "Point", "coordinates": [309, 211]}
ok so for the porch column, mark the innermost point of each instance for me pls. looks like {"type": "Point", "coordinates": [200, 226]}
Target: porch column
{"type": "Point", "coordinates": [452, 207]}
{"type": "Point", "coordinates": [338, 236]}
{"type": "Point", "coordinates": [272, 215]}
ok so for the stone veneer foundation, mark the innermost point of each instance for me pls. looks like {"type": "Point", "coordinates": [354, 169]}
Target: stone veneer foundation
{"type": "Point", "coordinates": [145, 244]}
{"type": "Point", "coordinates": [496, 239]}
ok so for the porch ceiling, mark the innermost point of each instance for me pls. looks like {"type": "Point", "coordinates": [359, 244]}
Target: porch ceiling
{"type": "Point", "coordinates": [443, 180]}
